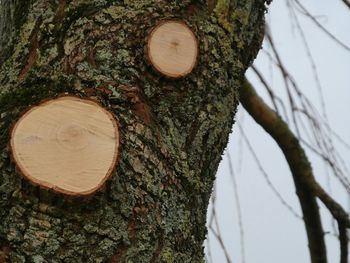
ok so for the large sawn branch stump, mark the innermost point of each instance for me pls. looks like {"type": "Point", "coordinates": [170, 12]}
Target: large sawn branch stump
{"type": "Point", "coordinates": [69, 145]}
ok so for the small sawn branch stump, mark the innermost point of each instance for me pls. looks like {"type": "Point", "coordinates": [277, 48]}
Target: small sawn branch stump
{"type": "Point", "coordinates": [172, 49]}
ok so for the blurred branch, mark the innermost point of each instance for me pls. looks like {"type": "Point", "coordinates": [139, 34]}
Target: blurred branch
{"type": "Point", "coordinates": [279, 130]}
{"type": "Point", "coordinates": [306, 186]}
{"type": "Point", "coordinates": [307, 48]}
{"type": "Point", "coordinates": [346, 2]}
{"type": "Point", "coordinates": [238, 205]}
{"type": "Point", "coordinates": [214, 221]}
{"type": "Point", "coordinates": [344, 240]}
{"type": "Point", "coordinates": [221, 242]}
{"type": "Point", "coordinates": [306, 12]}
{"type": "Point", "coordinates": [266, 176]}
{"type": "Point", "coordinates": [320, 136]}
{"type": "Point", "coordinates": [273, 97]}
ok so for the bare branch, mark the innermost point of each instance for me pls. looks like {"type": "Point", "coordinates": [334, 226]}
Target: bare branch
{"type": "Point", "coordinates": [266, 176]}
{"type": "Point", "coordinates": [299, 28]}
{"type": "Point", "coordinates": [217, 233]}
{"type": "Point", "coordinates": [320, 26]}
{"type": "Point", "coordinates": [238, 205]}
{"type": "Point", "coordinates": [346, 2]}
{"type": "Point", "coordinates": [321, 132]}
{"type": "Point", "coordinates": [344, 240]}
{"type": "Point", "coordinates": [279, 130]}
{"type": "Point", "coordinates": [306, 185]}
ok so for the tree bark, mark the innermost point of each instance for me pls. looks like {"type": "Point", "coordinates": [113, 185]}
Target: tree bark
{"type": "Point", "coordinates": [153, 209]}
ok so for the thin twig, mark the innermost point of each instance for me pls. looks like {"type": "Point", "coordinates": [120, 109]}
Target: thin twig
{"type": "Point", "coordinates": [266, 176]}
{"type": "Point", "coordinates": [320, 26]}
{"type": "Point", "coordinates": [238, 205]}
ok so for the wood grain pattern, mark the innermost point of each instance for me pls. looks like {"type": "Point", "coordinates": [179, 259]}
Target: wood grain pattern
{"type": "Point", "coordinates": [66, 144]}
{"type": "Point", "coordinates": [172, 49]}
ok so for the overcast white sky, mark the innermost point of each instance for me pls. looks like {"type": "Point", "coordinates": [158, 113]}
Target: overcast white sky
{"type": "Point", "coordinates": [271, 233]}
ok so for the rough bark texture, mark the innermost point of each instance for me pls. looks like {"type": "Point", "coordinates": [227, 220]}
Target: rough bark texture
{"type": "Point", "coordinates": [173, 131]}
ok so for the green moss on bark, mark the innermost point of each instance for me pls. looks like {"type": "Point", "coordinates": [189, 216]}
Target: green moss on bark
{"type": "Point", "coordinates": [173, 131]}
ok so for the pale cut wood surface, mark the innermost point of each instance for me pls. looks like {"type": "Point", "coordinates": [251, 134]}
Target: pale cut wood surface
{"type": "Point", "coordinates": [173, 49]}
{"type": "Point", "coordinates": [67, 144]}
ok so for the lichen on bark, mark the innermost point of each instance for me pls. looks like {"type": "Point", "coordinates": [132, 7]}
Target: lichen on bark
{"type": "Point", "coordinates": [173, 131]}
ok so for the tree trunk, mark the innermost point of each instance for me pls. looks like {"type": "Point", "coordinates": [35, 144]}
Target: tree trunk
{"type": "Point", "coordinates": [173, 131]}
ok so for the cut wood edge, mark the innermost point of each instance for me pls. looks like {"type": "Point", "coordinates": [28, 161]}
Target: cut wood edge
{"type": "Point", "coordinates": [195, 46]}
{"type": "Point", "coordinates": [49, 186]}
